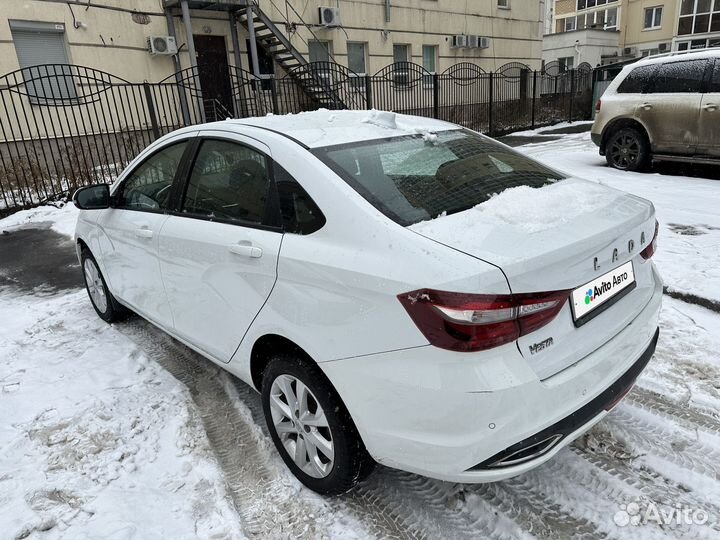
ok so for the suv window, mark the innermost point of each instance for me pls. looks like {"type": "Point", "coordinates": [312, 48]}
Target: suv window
{"type": "Point", "coordinates": [228, 181]}
{"type": "Point", "coordinates": [715, 80]}
{"type": "Point", "coordinates": [636, 81]}
{"type": "Point", "coordinates": [679, 77]}
{"type": "Point", "coordinates": [148, 186]}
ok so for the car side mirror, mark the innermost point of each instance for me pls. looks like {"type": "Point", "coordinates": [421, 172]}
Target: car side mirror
{"type": "Point", "coordinates": [92, 197]}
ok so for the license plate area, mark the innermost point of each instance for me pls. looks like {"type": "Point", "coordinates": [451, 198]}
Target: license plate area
{"type": "Point", "coordinates": [591, 299]}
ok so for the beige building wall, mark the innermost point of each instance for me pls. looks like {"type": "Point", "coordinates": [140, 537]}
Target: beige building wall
{"type": "Point", "coordinates": [515, 33]}
{"type": "Point", "coordinates": [107, 36]}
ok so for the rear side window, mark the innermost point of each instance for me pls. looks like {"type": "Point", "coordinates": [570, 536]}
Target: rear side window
{"type": "Point", "coordinates": [636, 81]}
{"type": "Point", "coordinates": [417, 177]}
{"type": "Point", "coordinates": [228, 181]}
{"type": "Point", "coordinates": [148, 186]}
{"type": "Point", "coordinates": [300, 214]}
{"type": "Point", "coordinates": [679, 77]}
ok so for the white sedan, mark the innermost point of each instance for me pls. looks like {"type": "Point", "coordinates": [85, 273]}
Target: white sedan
{"type": "Point", "coordinates": [400, 290]}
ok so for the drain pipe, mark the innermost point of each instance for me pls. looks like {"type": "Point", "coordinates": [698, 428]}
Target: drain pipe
{"type": "Point", "coordinates": [178, 76]}
{"type": "Point", "coordinates": [191, 51]}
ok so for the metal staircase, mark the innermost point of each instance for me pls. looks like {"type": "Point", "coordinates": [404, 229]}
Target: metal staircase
{"type": "Point", "coordinates": [314, 80]}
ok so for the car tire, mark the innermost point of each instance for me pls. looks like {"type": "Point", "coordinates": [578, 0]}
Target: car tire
{"type": "Point", "coordinates": [312, 430]}
{"type": "Point", "coordinates": [107, 308]}
{"type": "Point", "coordinates": [627, 149]}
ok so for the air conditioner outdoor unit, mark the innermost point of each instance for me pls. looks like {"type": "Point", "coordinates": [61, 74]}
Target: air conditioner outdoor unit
{"type": "Point", "coordinates": [459, 42]}
{"type": "Point", "coordinates": [473, 41]}
{"type": "Point", "coordinates": [163, 45]}
{"type": "Point", "coordinates": [483, 42]}
{"type": "Point", "coordinates": [663, 47]}
{"type": "Point", "coordinates": [630, 51]}
{"type": "Point", "coordinates": [329, 16]}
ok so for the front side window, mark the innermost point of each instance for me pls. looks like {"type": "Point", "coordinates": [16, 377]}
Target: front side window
{"type": "Point", "coordinates": [148, 187]}
{"type": "Point", "coordinates": [679, 77]}
{"type": "Point", "coordinates": [414, 178]}
{"type": "Point", "coordinates": [228, 181]}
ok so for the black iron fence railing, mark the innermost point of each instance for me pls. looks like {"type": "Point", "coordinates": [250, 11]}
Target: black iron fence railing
{"type": "Point", "coordinates": [63, 126]}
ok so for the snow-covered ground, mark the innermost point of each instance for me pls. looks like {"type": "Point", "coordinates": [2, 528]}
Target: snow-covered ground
{"type": "Point", "coordinates": [120, 432]}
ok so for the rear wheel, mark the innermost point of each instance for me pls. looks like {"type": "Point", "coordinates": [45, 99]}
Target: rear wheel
{"type": "Point", "coordinates": [627, 149]}
{"type": "Point", "coordinates": [107, 308]}
{"type": "Point", "coordinates": [311, 428]}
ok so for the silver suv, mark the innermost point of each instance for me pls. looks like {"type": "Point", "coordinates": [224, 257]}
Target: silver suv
{"type": "Point", "coordinates": [661, 108]}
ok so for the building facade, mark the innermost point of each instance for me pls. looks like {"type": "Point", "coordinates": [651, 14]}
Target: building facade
{"type": "Point", "coordinates": [608, 31]}
{"type": "Point", "coordinates": [364, 35]}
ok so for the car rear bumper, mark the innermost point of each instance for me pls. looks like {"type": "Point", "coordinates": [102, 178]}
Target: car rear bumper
{"type": "Point", "coordinates": [482, 417]}
{"type": "Point", "coordinates": [597, 139]}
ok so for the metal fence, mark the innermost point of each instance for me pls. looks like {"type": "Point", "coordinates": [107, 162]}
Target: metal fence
{"type": "Point", "coordinates": [64, 126]}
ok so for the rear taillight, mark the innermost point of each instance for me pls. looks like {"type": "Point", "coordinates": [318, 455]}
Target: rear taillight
{"type": "Point", "coordinates": [475, 322]}
{"type": "Point", "coordinates": [598, 105]}
{"type": "Point", "coordinates": [649, 251]}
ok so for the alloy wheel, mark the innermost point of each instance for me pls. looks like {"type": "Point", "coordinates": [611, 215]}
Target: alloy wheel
{"type": "Point", "coordinates": [95, 285]}
{"type": "Point", "coordinates": [624, 151]}
{"type": "Point", "coordinates": [301, 425]}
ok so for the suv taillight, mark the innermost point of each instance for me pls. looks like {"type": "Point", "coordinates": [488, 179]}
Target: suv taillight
{"type": "Point", "coordinates": [598, 105]}
{"type": "Point", "coordinates": [475, 322]}
{"type": "Point", "coordinates": [649, 251]}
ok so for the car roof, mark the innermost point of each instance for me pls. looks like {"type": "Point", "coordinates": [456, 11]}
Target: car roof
{"type": "Point", "coordinates": [323, 127]}
{"type": "Point", "coordinates": [664, 58]}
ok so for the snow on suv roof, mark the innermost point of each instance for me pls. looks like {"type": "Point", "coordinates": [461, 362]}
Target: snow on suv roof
{"type": "Point", "coordinates": [673, 57]}
{"type": "Point", "coordinates": [324, 128]}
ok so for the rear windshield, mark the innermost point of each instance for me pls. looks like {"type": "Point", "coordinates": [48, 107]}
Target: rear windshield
{"type": "Point", "coordinates": [418, 177]}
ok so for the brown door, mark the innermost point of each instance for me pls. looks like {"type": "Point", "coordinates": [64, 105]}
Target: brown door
{"type": "Point", "coordinates": [214, 76]}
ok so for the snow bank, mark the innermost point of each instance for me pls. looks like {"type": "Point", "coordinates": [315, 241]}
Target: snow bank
{"type": "Point", "coordinates": [61, 218]}
{"type": "Point", "coordinates": [98, 441]}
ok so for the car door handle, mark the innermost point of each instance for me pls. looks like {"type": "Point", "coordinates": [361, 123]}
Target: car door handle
{"type": "Point", "coordinates": [647, 106]}
{"type": "Point", "coordinates": [143, 232]}
{"type": "Point", "coordinates": [246, 250]}
{"type": "Point", "coordinates": [710, 107]}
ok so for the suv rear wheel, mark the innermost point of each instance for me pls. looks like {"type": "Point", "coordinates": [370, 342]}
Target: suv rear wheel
{"type": "Point", "coordinates": [627, 149]}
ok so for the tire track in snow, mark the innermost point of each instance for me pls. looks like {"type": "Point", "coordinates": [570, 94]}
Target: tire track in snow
{"type": "Point", "coordinates": [265, 511]}
{"type": "Point", "coordinates": [660, 440]}
{"type": "Point", "coordinates": [662, 406]}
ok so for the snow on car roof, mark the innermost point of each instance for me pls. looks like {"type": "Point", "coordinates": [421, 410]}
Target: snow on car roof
{"type": "Point", "coordinates": [324, 128]}
{"type": "Point", "coordinates": [663, 58]}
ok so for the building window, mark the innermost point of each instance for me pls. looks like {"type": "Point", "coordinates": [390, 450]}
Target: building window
{"type": "Point", "coordinates": [699, 16]}
{"type": "Point", "coordinates": [401, 53]}
{"type": "Point", "coordinates": [653, 18]}
{"type": "Point", "coordinates": [698, 44]}
{"type": "Point", "coordinates": [649, 52]}
{"type": "Point", "coordinates": [319, 51]}
{"type": "Point", "coordinates": [357, 62]}
{"type": "Point", "coordinates": [569, 24]}
{"type": "Point", "coordinates": [430, 57]}
{"type": "Point", "coordinates": [505, 4]}
{"type": "Point", "coordinates": [357, 59]}
{"type": "Point", "coordinates": [39, 43]}
{"type": "Point", "coordinates": [584, 4]}
{"type": "Point", "coordinates": [566, 63]}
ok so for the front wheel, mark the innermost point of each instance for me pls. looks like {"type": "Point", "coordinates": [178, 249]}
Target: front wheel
{"type": "Point", "coordinates": [107, 308]}
{"type": "Point", "coordinates": [627, 149]}
{"type": "Point", "coordinates": [311, 427]}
